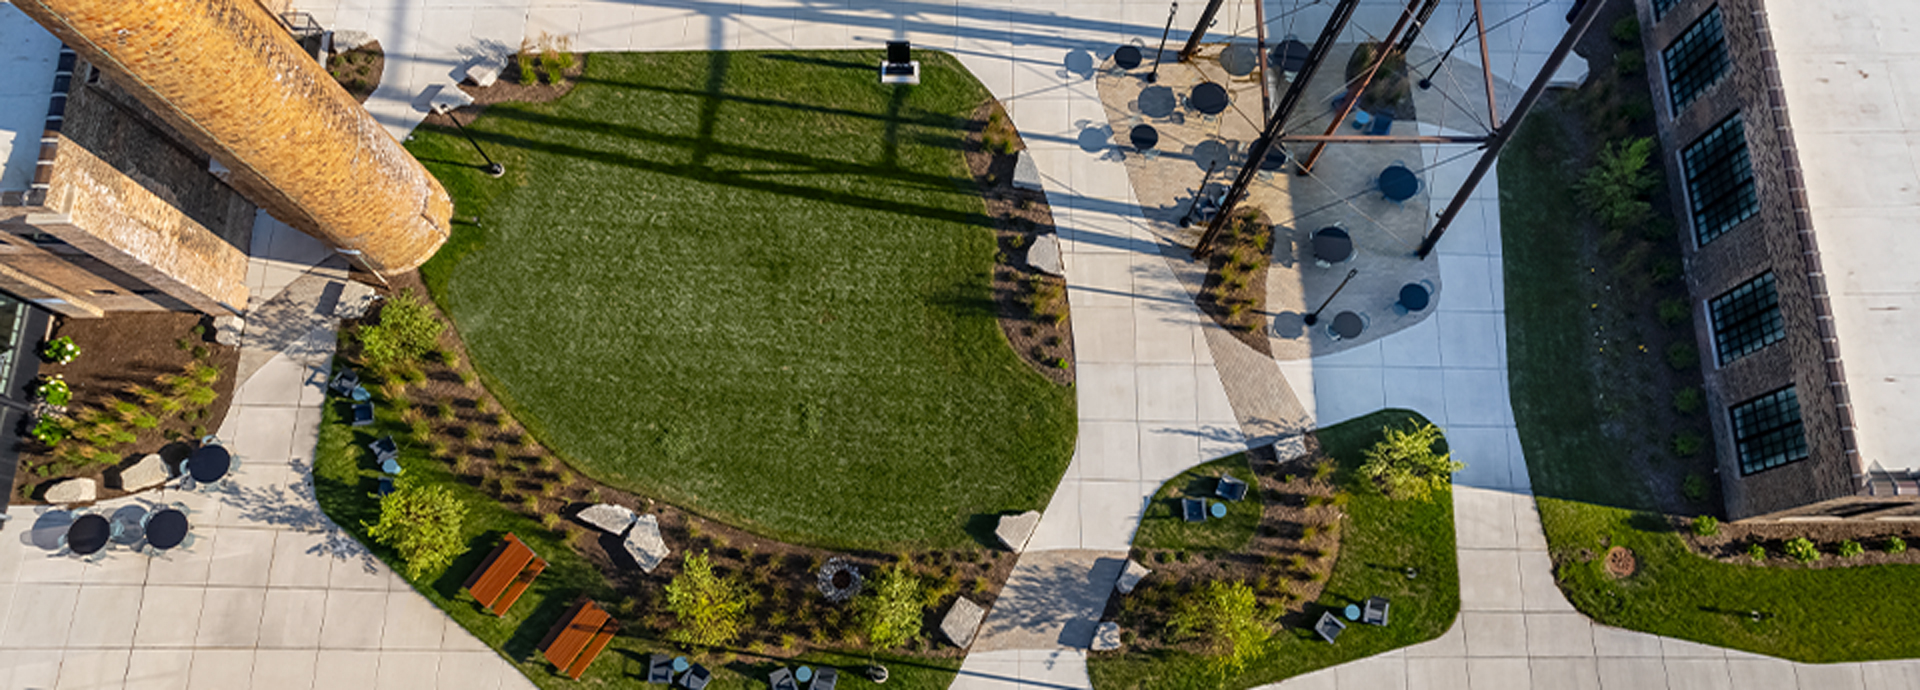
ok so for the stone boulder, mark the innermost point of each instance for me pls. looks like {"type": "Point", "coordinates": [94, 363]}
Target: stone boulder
{"type": "Point", "coordinates": [149, 472]}
{"type": "Point", "coordinates": [356, 299]}
{"type": "Point", "coordinates": [450, 97]}
{"type": "Point", "coordinates": [962, 621]}
{"type": "Point", "coordinates": [1044, 255]}
{"type": "Point", "coordinates": [1015, 530]}
{"type": "Point", "coordinates": [1131, 577]}
{"type": "Point", "coordinates": [1106, 638]}
{"type": "Point", "coordinates": [645, 545]}
{"type": "Point", "coordinates": [227, 329]}
{"type": "Point", "coordinates": [486, 70]}
{"type": "Point", "coordinates": [611, 519]}
{"type": "Point", "coordinates": [1026, 173]}
{"type": "Point", "coordinates": [80, 490]}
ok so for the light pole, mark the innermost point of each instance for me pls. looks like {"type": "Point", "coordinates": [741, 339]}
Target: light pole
{"type": "Point", "coordinates": [1154, 76]}
{"type": "Point", "coordinates": [1314, 318]}
{"type": "Point", "coordinates": [493, 169]}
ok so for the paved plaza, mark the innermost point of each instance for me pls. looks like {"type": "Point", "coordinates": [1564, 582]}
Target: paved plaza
{"type": "Point", "coordinates": [274, 596]}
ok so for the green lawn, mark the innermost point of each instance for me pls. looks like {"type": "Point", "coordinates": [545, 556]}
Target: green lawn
{"type": "Point", "coordinates": [755, 285]}
{"type": "Point", "coordinates": [345, 479]}
{"type": "Point", "coordinates": [1381, 539]}
{"type": "Point", "coordinates": [1164, 528]}
{"type": "Point", "coordinates": [1586, 499]}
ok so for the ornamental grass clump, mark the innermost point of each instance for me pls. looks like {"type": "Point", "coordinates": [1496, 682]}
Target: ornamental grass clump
{"type": "Point", "coordinates": [1404, 464]}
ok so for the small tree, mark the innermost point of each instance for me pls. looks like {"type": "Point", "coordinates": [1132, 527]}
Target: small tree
{"type": "Point", "coordinates": [407, 331]}
{"type": "Point", "coordinates": [423, 524]}
{"type": "Point", "coordinates": [1229, 622]}
{"type": "Point", "coordinates": [710, 608]}
{"type": "Point", "coordinates": [1405, 465]}
{"type": "Point", "coordinates": [1613, 187]}
{"type": "Point", "coordinates": [891, 614]}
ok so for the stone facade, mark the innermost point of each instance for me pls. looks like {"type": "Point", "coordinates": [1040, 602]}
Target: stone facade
{"type": "Point", "coordinates": [230, 78]}
{"type": "Point", "coordinates": [1777, 239]}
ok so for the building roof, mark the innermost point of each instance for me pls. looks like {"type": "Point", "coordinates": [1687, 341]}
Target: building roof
{"type": "Point", "coordinates": [28, 55]}
{"type": "Point", "coordinates": [1851, 76]}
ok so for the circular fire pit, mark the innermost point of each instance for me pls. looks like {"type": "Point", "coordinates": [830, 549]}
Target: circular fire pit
{"type": "Point", "coordinates": [839, 580]}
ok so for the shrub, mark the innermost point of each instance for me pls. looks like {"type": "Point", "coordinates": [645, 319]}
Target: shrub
{"type": "Point", "coordinates": [60, 350]}
{"type": "Point", "coordinates": [1683, 356]}
{"type": "Point", "coordinates": [709, 608]}
{"type": "Point", "coordinates": [1627, 30]}
{"type": "Point", "coordinates": [1405, 465]}
{"type": "Point", "coordinates": [891, 614]}
{"type": "Point", "coordinates": [407, 331]}
{"type": "Point", "coordinates": [1694, 487]}
{"type": "Point", "coordinates": [524, 61]}
{"type": "Point", "coordinates": [422, 523]}
{"type": "Point", "coordinates": [1706, 525]}
{"type": "Point", "coordinates": [144, 421]}
{"type": "Point", "coordinates": [201, 396]}
{"type": "Point", "coordinates": [1851, 548]}
{"type": "Point", "coordinates": [1687, 444]}
{"type": "Point", "coordinates": [1688, 400]}
{"type": "Point", "coordinates": [1673, 312]}
{"type": "Point", "coordinates": [1895, 545]}
{"type": "Point", "coordinates": [1757, 552]}
{"type": "Point", "coordinates": [204, 374]}
{"type": "Point", "coordinates": [1229, 623]}
{"type": "Point", "coordinates": [49, 431]}
{"type": "Point", "coordinates": [54, 391]}
{"type": "Point", "coordinates": [1629, 62]}
{"type": "Point", "coordinates": [1802, 549]}
{"type": "Point", "coordinates": [1613, 187]}
{"type": "Point", "coordinates": [1323, 471]}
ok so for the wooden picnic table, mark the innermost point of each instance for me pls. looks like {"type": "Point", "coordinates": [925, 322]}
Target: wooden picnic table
{"type": "Point", "coordinates": [505, 575]}
{"type": "Point", "coordinates": [582, 634]}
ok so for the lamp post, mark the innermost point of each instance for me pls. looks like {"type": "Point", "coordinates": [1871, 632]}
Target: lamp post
{"type": "Point", "coordinates": [1154, 76]}
{"type": "Point", "coordinates": [1314, 317]}
{"type": "Point", "coordinates": [493, 169]}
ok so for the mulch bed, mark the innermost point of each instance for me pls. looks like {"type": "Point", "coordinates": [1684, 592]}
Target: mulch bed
{"type": "Point", "coordinates": [1287, 562]}
{"type": "Point", "coordinates": [1730, 544]}
{"type": "Point", "coordinates": [486, 448]}
{"type": "Point", "coordinates": [1019, 217]}
{"type": "Point", "coordinates": [1234, 293]}
{"type": "Point", "coordinates": [117, 353]}
{"type": "Point", "coordinates": [358, 70]}
{"type": "Point", "coordinates": [509, 89]}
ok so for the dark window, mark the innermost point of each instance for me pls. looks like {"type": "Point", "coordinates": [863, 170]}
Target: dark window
{"type": "Point", "coordinates": [1746, 319]}
{"type": "Point", "coordinates": [1660, 8]}
{"type": "Point", "coordinates": [1767, 432]}
{"type": "Point", "coordinates": [1719, 180]}
{"type": "Point", "coordinates": [1695, 60]}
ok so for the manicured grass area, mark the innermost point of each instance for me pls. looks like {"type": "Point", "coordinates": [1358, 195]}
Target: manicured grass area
{"type": "Point", "coordinates": [755, 285]}
{"type": "Point", "coordinates": [1381, 539]}
{"type": "Point", "coordinates": [1587, 500]}
{"type": "Point", "coordinates": [345, 479]}
{"type": "Point", "coordinates": [1164, 528]}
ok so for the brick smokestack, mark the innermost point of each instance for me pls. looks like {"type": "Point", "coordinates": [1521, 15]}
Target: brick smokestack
{"type": "Point", "coordinates": [227, 75]}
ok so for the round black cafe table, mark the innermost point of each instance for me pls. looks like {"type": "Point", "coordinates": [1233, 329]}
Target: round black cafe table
{"type": "Point", "coordinates": [1144, 136]}
{"type": "Point", "coordinates": [1276, 159]}
{"type": "Point", "coordinates": [1209, 98]}
{"type": "Point", "coordinates": [1332, 245]}
{"type": "Point", "coordinates": [1126, 57]}
{"type": "Point", "coordinates": [166, 529]}
{"type": "Point", "coordinates": [1398, 183]}
{"type": "Point", "coordinates": [1290, 55]}
{"type": "Point", "coordinates": [1347, 325]}
{"type": "Point", "coordinates": [89, 534]}
{"type": "Point", "coordinates": [1414, 296]}
{"type": "Point", "coordinates": [1238, 59]}
{"type": "Point", "coordinates": [209, 463]}
{"type": "Point", "coordinates": [1211, 154]}
{"type": "Point", "coordinates": [1157, 101]}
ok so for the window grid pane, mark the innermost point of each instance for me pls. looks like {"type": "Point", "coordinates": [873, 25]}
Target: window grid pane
{"type": "Point", "coordinates": [1746, 319]}
{"type": "Point", "coordinates": [1720, 180]}
{"type": "Point", "coordinates": [1695, 60]}
{"type": "Point", "coordinates": [1767, 431]}
{"type": "Point", "coordinates": [1660, 8]}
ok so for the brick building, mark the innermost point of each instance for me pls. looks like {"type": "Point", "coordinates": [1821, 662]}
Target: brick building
{"type": "Point", "coordinates": [1791, 134]}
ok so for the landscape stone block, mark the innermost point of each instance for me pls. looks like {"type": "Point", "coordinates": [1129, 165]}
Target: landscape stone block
{"type": "Point", "coordinates": [645, 545]}
{"type": "Point", "coordinates": [961, 622]}
{"type": "Point", "coordinates": [450, 97]}
{"type": "Point", "coordinates": [609, 518]}
{"type": "Point", "coordinates": [1015, 530]}
{"type": "Point", "coordinates": [486, 71]}
{"type": "Point", "coordinates": [150, 471]}
{"type": "Point", "coordinates": [1106, 638]}
{"type": "Point", "coordinates": [227, 329]}
{"type": "Point", "coordinates": [1131, 577]}
{"type": "Point", "coordinates": [1026, 173]}
{"type": "Point", "coordinates": [81, 490]}
{"type": "Point", "coordinates": [1044, 255]}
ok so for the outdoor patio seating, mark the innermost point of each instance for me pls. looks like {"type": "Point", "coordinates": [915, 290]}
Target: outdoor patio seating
{"type": "Point", "coordinates": [1193, 510]}
{"type": "Point", "coordinates": [1332, 245]}
{"type": "Point", "coordinates": [359, 394]}
{"type": "Point", "coordinates": [386, 485]}
{"type": "Point", "coordinates": [824, 679]}
{"type": "Point", "coordinates": [1414, 297]}
{"type": "Point", "coordinates": [1381, 124]}
{"type": "Point", "coordinates": [363, 414]}
{"type": "Point", "coordinates": [1329, 627]}
{"type": "Point", "coordinates": [1228, 488]}
{"type": "Point", "coordinates": [384, 449]}
{"type": "Point", "coordinates": [344, 382]}
{"type": "Point", "coordinates": [696, 678]}
{"type": "Point", "coordinates": [209, 463]}
{"type": "Point", "coordinates": [1375, 611]}
{"type": "Point", "coordinates": [1398, 182]}
{"type": "Point", "coordinates": [781, 679]}
{"type": "Point", "coordinates": [1347, 325]}
{"type": "Point", "coordinates": [1126, 57]}
{"type": "Point", "coordinates": [579, 638]}
{"type": "Point", "coordinates": [505, 575]}
{"type": "Point", "coordinates": [660, 669]}
{"type": "Point", "coordinates": [166, 529]}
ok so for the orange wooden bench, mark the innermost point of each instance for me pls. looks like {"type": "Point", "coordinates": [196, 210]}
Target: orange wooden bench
{"type": "Point", "coordinates": [580, 636]}
{"type": "Point", "coordinates": [505, 575]}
